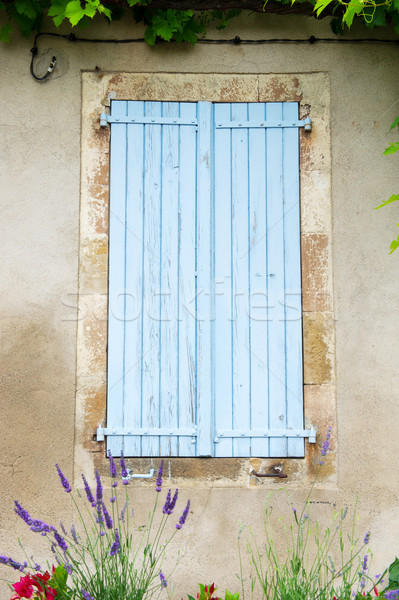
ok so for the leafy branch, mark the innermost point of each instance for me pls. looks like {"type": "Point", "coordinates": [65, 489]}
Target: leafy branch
{"type": "Point", "coordinates": [171, 22]}
{"type": "Point", "coordinates": [392, 148]}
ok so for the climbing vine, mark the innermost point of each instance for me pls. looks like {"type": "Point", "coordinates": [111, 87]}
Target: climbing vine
{"type": "Point", "coordinates": [169, 22]}
{"type": "Point", "coordinates": [392, 148]}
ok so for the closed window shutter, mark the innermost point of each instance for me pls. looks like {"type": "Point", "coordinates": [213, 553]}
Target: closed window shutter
{"type": "Point", "coordinates": [204, 342]}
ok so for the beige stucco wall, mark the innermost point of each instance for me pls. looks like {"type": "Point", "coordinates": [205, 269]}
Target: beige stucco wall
{"type": "Point", "coordinates": [40, 160]}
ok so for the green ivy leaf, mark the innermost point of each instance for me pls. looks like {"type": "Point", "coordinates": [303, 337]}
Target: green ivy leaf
{"type": "Point", "coordinates": [354, 8]}
{"type": "Point", "coordinates": [393, 198]}
{"type": "Point", "coordinates": [150, 36]}
{"type": "Point", "coordinates": [91, 8]}
{"type": "Point", "coordinates": [321, 5]}
{"type": "Point", "coordinates": [2, 6]}
{"type": "Point", "coordinates": [74, 12]}
{"type": "Point", "coordinates": [395, 123]}
{"type": "Point", "coordinates": [394, 246]}
{"type": "Point", "coordinates": [28, 8]}
{"type": "Point", "coordinates": [5, 31]}
{"type": "Point", "coordinates": [392, 148]}
{"type": "Point", "coordinates": [162, 27]}
{"type": "Point", "coordinates": [57, 11]}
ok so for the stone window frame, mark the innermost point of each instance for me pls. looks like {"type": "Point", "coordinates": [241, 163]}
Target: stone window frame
{"type": "Point", "coordinates": [312, 91]}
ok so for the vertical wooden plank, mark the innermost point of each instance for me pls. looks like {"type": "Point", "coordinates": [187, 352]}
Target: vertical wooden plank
{"type": "Point", "coordinates": [134, 281]}
{"type": "Point", "coordinates": [258, 279]}
{"type": "Point", "coordinates": [116, 290]}
{"type": "Point", "coordinates": [240, 281]}
{"type": "Point", "coordinates": [187, 368]}
{"type": "Point", "coordinates": [292, 298]}
{"type": "Point", "coordinates": [204, 284]}
{"type": "Point", "coordinates": [275, 260]}
{"type": "Point", "coordinates": [222, 367]}
{"type": "Point", "coordinates": [151, 278]}
{"type": "Point", "coordinates": [169, 280]}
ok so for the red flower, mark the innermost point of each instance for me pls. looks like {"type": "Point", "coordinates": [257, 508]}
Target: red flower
{"type": "Point", "coordinates": [376, 591]}
{"type": "Point", "coordinates": [24, 587]}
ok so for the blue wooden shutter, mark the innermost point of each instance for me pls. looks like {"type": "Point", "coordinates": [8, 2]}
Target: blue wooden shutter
{"type": "Point", "coordinates": [204, 346]}
{"type": "Point", "coordinates": [258, 328]}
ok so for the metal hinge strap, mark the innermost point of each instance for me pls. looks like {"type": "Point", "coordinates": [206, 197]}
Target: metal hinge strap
{"type": "Point", "coordinates": [268, 433]}
{"type": "Point", "coordinates": [306, 124]}
{"type": "Point", "coordinates": [144, 431]}
{"type": "Point", "coordinates": [107, 119]}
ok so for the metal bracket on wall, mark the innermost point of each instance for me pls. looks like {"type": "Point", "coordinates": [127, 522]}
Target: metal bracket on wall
{"type": "Point", "coordinates": [138, 475]}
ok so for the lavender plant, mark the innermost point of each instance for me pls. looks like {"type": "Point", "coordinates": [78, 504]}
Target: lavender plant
{"type": "Point", "coordinates": [107, 557]}
{"type": "Point", "coordinates": [301, 561]}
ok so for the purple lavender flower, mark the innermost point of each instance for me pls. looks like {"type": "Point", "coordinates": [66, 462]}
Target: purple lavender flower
{"type": "Point", "coordinates": [89, 495]}
{"type": "Point", "coordinates": [391, 594]}
{"type": "Point", "coordinates": [112, 499]}
{"type": "Point", "coordinates": [64, 480]}
{"type": "Point", "coordinates": [63, 528]}
{"type": "Point", "coordinates": [170, 504]}
{"type": "Point", "coordinates": [123, 512]}
{"type": "Point", "coordinates": [366, 538]}
{"type": "Point", "coordinates": [167, 502]}
{"type": "Point", "coordinates": [22, 513]}
{"type": "Point", "coordinates": [41, 527]}
{"type": "Point", "coordinates": [107, 517]}
{"type": "Point", "coordinates": [116, 546]}
{"type": "Point", "coordinates": [174, 500]}
{"type": "Point", "coordinates": [183, 518]}
{"type": "Point", "coordinates": [60, 541]}
{"type": "Point", "coordinates": [114, 485]}
{"type": "Point", "coordinates": [74, 534]}
{"type": "Point", "coordinates": [162, 577]}
{"type": "Point", "coordinates": [68, 567]}
{"type": "Point", "coordinates": [365, 559]}
{"type": "Point", "coordinates": [326, 446]}
{"type": "Point", "coordinates": [86, 595]}
{"type": "Point", "coordinates": [158, 483]}
{"type": "Point", "coordinates": [102, 533]}
{"type": "Point", "coordinates": [124, 472]}
{"type": "Point", "coordinates": [99, 491]}
{"type": "Point", "coordinates": [99, 516]}
{"type": "Point", "coordinates": [112, 466]}
{"type": "Point", "coordinates": [7, 560]}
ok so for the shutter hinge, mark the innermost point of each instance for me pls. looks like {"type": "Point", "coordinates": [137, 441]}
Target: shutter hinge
{"type": "Point", "coordinates": [105, 120]}
{"type": "Point", "coordinates": [268, 433]}
{"type": "Point", "coordinates": [144, 431]}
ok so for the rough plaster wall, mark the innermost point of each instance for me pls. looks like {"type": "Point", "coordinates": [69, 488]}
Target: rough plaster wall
{"type": "Point", "coordinates": [39, 170]}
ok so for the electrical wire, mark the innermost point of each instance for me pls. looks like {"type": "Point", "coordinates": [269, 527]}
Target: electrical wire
{"type": "Point", "coordinates": [233, 41]}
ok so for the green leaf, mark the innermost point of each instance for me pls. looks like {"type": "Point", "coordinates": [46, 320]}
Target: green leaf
{"type": "Point", "coordinates": [105, 11]}
{"type": "Point", "coordinates": [321, 5]}
{"type": "Point", "coordinates": [395, 123]}
{"type": "Point", "coordinates": [2, 6]}
{"type": "Point", "coordinates": [162, 28]}
{"type": "Point", "coordinates": [230, 596]}
{"type": "Point", "coordinates": [28, 8]}
{"type": "Point", "coordinates": [74, 12]}
{"type": "Point", "coordinates": [5, 32]}
{"type": "Point", "coordinates": [150, 36]}
{"type": "Point", "coordinates": [393, 198]}
{"type": "Point", "coordinates": [394, 246]}
{"type": "Point", "coordinates": [91, 9]}
{"type": "Point", "coordinates": [392, 148]}
{"type": "Point", "coordinates": [57, 11]}
{"type": "Point", "coordinates": [393, 568]}
{"type": "Point", "coordinates": [354, 8]}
